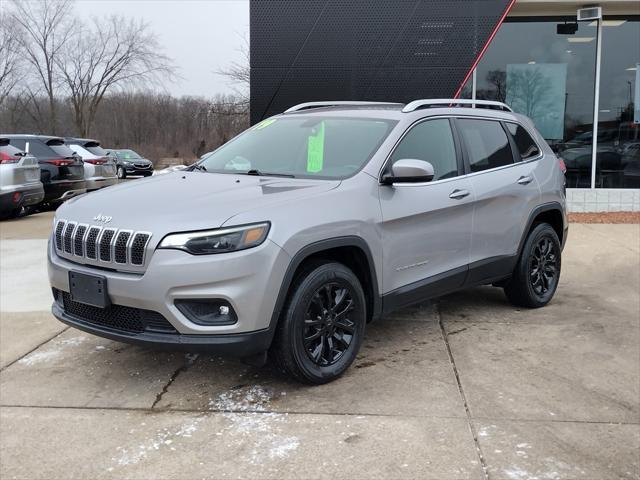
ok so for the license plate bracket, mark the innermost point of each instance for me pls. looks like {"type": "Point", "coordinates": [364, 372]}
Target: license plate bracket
{"type": "Point", "coordinates": [89, 289]}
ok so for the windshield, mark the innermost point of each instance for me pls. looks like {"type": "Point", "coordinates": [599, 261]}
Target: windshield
{"type": "Point", "coordinates": [311, 147]}
{"type": "Point", "coordinates": [128, 155]}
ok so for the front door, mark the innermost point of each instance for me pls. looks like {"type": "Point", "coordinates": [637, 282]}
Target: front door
{"type": "Point", "coordinates": [426, 227]}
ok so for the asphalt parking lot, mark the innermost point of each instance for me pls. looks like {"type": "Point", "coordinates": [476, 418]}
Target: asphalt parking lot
{"type": "Point", "coordinates": [466, 387]}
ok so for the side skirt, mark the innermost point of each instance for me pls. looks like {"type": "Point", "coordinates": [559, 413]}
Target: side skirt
{"type": "Point", "coordinates": [478, 273]}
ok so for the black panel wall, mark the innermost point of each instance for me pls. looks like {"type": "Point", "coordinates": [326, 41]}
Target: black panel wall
{"type": "Point", "coordinates": [387, 50]}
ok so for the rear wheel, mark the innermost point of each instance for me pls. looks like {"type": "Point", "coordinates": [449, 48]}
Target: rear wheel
{"type": "Point", "coordinates": [121, 173]}
{"type": "Point", "coordinates": [321, 328]}
{"type": "Point", "coordinates": [9, 214]}
{"type": "Point", "coordinates": [536, 276]}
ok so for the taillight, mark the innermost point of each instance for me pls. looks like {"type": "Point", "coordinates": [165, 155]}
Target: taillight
{"type": "Point", "coordinates": [563, 167]}
{"type": "Point", "coordinates": [4, 158]}
{"type": "Point", "coordinates": [60, 162]}
{"type": "Point", "coordinates": [96, 161]}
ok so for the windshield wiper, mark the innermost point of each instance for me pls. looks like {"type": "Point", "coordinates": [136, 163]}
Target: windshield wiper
{"type": "Point", "coordinates": [258, 173]}
{"type": "Point", "coordinates": [197, 166]}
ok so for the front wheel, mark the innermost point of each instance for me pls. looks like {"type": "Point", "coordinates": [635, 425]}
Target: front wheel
{"type": "Point", "coordinates": [536, 276]}
{"type": "Point", "coordinates": [321, 328]}
{"type": "Point", "coordinates": [121, 173]}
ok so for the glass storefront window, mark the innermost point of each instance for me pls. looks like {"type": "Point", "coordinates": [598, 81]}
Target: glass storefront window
{"type": "Point", "coordinates": [618, 159]}
{"type": "Point", "coordinates": [550, 78]}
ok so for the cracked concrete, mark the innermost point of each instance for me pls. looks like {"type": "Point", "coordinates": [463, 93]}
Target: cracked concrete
{"type": "Point", "coordinates": [469, 387]}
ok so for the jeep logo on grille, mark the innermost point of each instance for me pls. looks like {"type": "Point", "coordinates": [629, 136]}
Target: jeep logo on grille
{"type": "Point", "coordinates": [102, 218]}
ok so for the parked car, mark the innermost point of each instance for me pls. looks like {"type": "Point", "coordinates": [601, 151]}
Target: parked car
{"type": "Point", "coordinates": [129, 163]}
{"type": "Point", "coordinates": [20, 184]}
{"type": "Point", "coordinates": [295, 234]}
{"type": "Point", "coordinates": [61, 169]}
{"type": "Point", "coordinates": [99, 170]}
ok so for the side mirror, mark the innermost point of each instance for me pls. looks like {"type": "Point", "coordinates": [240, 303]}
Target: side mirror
{"type": "Point", "coordinates": [409, 170]}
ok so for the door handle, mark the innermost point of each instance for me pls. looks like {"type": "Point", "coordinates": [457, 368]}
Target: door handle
{"type": "Point", "coordinates": [525, 180]}
{"type": "Point", "coordinates": [458, 194]}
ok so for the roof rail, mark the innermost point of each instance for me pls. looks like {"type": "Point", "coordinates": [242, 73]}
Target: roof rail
{"type": "Point", "coordinates": [451, 102]}
{"type": "Point", "coordinates": [304, 106]}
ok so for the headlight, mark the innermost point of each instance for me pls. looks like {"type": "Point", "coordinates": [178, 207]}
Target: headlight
{"type": "Point", "coordinates": [128, 164]}
{"type": "Point", "coordinates": [218, 241]}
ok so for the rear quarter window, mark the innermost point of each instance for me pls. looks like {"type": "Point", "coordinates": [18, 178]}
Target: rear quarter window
{"type": "Point", "coordinates": [527, 147]}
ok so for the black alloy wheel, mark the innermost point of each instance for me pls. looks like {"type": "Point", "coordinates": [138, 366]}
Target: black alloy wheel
{"type": "Point", "coordinates": [321, 328]}
{"type": "Point", "coordinates": [328, 331]}
{"type": "Point", "coordinates": [537, 273]}
{"type": "Point", "coordinates": [543, 266]}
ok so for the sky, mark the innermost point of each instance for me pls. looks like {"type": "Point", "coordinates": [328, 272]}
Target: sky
{"type": "Point", "coordinates": [201, 36]}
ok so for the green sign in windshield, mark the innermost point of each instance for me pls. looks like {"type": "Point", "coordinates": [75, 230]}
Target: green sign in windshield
{"type": "Point", "coordinates": [315, 151]}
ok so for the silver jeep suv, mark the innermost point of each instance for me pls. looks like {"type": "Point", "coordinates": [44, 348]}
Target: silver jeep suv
{"type": "Point", "coordinates": [290, 238]}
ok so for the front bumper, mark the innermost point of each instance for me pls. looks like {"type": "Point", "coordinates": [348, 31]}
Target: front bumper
{"type": "Point", "coordinates": [133, 170]}
{"type": "Point", "coordinates": [240, 345]}
{"type": "Point", "coordinates": [249, 280]}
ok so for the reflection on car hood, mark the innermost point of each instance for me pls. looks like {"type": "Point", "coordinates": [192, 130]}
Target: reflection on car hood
{"type": "Point", "coordinates": [137, 160]}
{"type": "Point", "coordinates": [185, 201]}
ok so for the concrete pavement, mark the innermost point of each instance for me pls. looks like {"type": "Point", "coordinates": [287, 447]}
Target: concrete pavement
{"type": "Point", "coordinates": [468, 387]}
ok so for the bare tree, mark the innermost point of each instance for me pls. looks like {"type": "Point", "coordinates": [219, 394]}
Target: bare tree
{"type": "Point", "coordinates": [118, 53]}
{"type": "Point", "coordinates": [46, 27]}
{"type": "Point", "coordinates": [10, 57]}
{"type": "Point", "coordinates": [239, 73]}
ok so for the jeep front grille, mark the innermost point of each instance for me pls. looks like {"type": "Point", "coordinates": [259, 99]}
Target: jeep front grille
{"type": "Point", "coordinates": [101, 245]}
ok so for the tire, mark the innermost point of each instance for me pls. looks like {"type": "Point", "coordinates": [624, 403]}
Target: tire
{"type": "Point", "coordinates": [530, 286]}
{"type": "Point", "coordinates": [10, 214]}
{"type": "Point", "coordinates": [122, 174]}
{"type": "Point", "coordinates": [332, 341]}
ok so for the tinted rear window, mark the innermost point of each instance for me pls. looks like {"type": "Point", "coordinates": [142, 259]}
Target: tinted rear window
{"type": "Point", "coordinates": [526, 146]}
{"type": "Point", "coordinates": [96, 150]}
{"type": "Point", "coordinates": [487, 144]}
{"type": "Point", "coordinates": [40, 149]}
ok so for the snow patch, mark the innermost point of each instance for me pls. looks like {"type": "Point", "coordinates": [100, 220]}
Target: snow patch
{"type": "Point", "coordinates": [53, 351]}
{"type": "Point", "coordinates": [251, 422]}
{"type": "Point", "coordinates": [163, 440]}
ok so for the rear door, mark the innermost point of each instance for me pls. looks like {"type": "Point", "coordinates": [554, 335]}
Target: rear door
{"type": "Point", "coordinates": [506, 192]}
{"type": "Point", "coordinates": [427, 226]}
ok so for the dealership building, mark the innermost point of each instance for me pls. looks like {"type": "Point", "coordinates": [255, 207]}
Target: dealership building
{"type": "Point", "coordinates": [576, 75]}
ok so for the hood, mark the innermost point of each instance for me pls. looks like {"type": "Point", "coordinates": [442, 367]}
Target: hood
{"type": "Point", "coordinates": [185, 201]}
{"type": "Point", "coordinates": [137, 160]}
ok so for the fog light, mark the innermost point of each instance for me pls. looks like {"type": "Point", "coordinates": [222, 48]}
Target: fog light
{"type": "Point", "coordinates": [207, 311]}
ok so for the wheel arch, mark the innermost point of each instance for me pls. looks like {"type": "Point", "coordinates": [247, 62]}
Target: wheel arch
{"type": "Point", "coordinates": [551, 213]}
{"type": "Point", "coordinates": [353, 252]}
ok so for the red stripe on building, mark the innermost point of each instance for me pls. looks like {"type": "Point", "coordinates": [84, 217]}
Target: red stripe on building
{"type": "Point", "coordinates": [484, 49]}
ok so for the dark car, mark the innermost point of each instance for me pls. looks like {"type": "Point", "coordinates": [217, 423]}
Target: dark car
{"type": "Point", "coordinates": [130, 163]}
{"type": "Point", "coordinates": [61, 170]}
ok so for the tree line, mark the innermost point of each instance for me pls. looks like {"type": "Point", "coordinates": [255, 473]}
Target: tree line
{"type": "Point", "coordinates": [100, 79]}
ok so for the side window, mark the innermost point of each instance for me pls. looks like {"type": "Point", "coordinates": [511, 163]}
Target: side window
{"type": "Point", "coordinates": [433, 142]}
{"type": "Point", "coordinates": [526, 146]}
{"type": "Point", "coordinates": [487, 144]}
